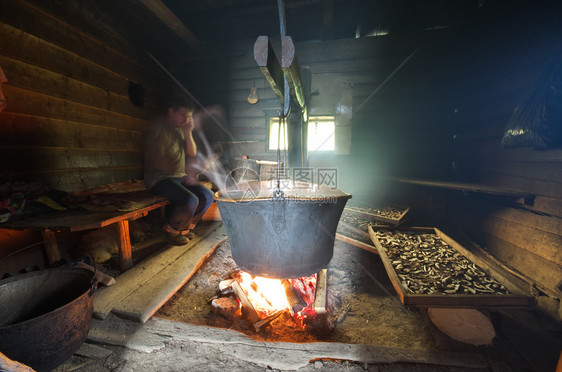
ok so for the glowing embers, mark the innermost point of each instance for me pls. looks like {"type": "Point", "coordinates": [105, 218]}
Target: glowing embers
{"type": "Point", "coordinates": [262, 300]}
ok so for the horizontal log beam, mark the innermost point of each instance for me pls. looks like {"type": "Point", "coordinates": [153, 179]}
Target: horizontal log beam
{"type": "Point", "coordinates": [269, 66]}
{"type": "Point", "coordinates": [164, 13]}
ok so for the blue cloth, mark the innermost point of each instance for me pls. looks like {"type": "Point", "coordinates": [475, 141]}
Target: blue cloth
{"type": "Point", "coordinates": [188, 203]}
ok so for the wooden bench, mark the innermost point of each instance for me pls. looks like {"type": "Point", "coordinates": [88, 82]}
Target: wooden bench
{"type": "Point", "coordinates": [73, 220]}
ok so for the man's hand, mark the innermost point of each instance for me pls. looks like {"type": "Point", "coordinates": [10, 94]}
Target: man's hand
{"type": "Point", "coordinates": [188, 126]}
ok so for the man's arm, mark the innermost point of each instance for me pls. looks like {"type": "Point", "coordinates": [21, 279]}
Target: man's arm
{"type": "Point", "coordinates": [190, 146]}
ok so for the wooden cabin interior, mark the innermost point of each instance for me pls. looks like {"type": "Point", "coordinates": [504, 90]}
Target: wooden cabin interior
{"type": "Point", "coordinates": [420, 98]}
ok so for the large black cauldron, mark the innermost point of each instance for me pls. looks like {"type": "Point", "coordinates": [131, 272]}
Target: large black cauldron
{"type": "Point", "coordinates": [281, 237]}
{"type": "Point", "coordinates": [45, 315]}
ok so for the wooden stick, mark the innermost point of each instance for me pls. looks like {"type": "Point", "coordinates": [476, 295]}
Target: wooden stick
{"type": "Point", "coordinates": [321, 289]}
{"type": "Point", "coordinates": [103, 278]}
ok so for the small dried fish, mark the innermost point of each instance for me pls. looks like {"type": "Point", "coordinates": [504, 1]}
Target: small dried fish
{"type": "Point", "coordinates": [427, 264]}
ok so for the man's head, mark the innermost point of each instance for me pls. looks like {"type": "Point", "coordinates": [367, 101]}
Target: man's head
{"type": "Point", "coordinates": [180, 111]}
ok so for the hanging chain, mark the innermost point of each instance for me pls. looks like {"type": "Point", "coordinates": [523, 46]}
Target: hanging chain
{"type": "Point", "coordinates": [281, 119]}
{"type": "Point", "coordinates": [277, 193]}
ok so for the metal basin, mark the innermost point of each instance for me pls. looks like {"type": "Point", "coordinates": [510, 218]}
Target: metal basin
{"type": "Point", "coordinates": [45, 315]}
{"type": "Point", "coordinates": [286, 237]}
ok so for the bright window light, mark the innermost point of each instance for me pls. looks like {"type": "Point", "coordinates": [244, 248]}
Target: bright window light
{"type": "Point", "coordinates": [321, 134]}
{"type": "Point", "coordinates": [274, 135]}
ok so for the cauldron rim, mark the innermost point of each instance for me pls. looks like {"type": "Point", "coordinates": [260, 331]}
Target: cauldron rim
{"type": "Point", "coordinates": [303, 191]}
{"type": "Point", "coordinates": [85, 292]}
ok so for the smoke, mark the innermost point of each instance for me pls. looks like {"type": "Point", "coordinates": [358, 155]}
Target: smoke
{"type": "Point", "coordinates": [208, 164]}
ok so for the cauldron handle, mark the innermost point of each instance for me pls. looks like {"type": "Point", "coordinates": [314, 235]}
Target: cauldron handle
{"type": "Point", "coordinates": [94, 283]}
{"type": "Point", "coordinates": [278, 211]}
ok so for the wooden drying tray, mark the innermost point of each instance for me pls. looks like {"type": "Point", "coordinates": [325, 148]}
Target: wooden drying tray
{"type": "Point", "coordinates": [517, 298]}
{"type": "Point", "coordinates": [349, 240]}
{"type": "Point", "coordinates": [378, 217]}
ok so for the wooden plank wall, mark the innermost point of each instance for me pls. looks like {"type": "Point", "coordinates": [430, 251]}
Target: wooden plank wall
{"type": "Point", "coordinates": [497, 66]}
{"type": "Point", "coordinates": [393, 126]}
{"type": "Point", "coordinates": [69, 122]}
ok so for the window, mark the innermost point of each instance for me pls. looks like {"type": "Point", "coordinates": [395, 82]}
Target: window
{"type": "Point", "coordinates": [274, 134]}
{"type": "Point", "coordinates": [321, 134]}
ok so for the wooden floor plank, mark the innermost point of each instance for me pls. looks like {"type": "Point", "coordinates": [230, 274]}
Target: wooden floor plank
{"type": "Point", "coordinates": [105, 299]}
{"type": "Point", "coordinates": [357, 243]}
{"type": "Point", "coordinates": [141, 304]}
{"type": "Point", "coordinates": [151, 337]}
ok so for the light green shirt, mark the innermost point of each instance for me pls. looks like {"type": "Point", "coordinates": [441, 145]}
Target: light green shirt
{"type": "Point", "coordinates": [164, 155]}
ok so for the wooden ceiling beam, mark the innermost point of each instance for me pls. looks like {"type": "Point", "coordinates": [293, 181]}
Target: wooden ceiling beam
{"type": "Point", "coordinates": [270, 66]}
{"type": "Point", "coordinates": [291, 69]}
{"type": "Point", "coordinates": [162, 12]}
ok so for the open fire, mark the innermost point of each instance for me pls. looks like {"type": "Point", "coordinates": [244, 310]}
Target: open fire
{"type": "Point", "coordinates": [261, 300]}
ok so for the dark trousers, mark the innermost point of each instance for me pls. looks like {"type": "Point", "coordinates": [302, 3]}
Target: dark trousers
{"type": "Point", "coordinates": [187, 203]}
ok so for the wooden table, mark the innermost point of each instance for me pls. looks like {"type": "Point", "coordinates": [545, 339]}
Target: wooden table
{"type": "Point", "coordinates": [79, 220]}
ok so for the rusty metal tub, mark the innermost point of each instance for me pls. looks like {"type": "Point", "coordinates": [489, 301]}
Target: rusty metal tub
{"type": "Point", "coordinates": [45, 315]}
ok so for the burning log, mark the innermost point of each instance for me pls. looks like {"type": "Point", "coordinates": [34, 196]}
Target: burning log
{"type": "Point", "coordinates": [258, 325]}
{"type": "Point", "coordinates": [225, 284]}
{"type": "Point", "coordinates": [296, 302]}
{"type": "Point", "coordinates": [262, 300]}
{"type": "Point", "coordinates": [246, 304]}
{"type": "Point", "coordinates": [7, 364]}
{"type": "Point", "coordinates": [226, 306]}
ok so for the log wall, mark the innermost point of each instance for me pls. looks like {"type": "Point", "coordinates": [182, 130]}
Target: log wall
{"type": "Point", "coordinates": [497, 67]}
{"type": "Point", "coordinates": [69, 121]}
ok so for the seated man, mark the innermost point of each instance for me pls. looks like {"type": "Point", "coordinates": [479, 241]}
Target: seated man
{"type": "Point", "coordinates": [169, 148]}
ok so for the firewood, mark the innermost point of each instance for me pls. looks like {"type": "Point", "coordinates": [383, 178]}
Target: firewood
{"type": "Point", "coordinates": [224, 284]}
{"type": "Point", "coordinates": [321, 287]}
{"type": "Point", "coordinates": [258, 325]}
{"type": "Point", "coordinates": [225, 306]}
{"type": "Point", "coordinates": [7, 364]}
{"type": "Point", "coordinates": [246, 304]}
{"type": "Point", "coordinates": [296, 301]}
